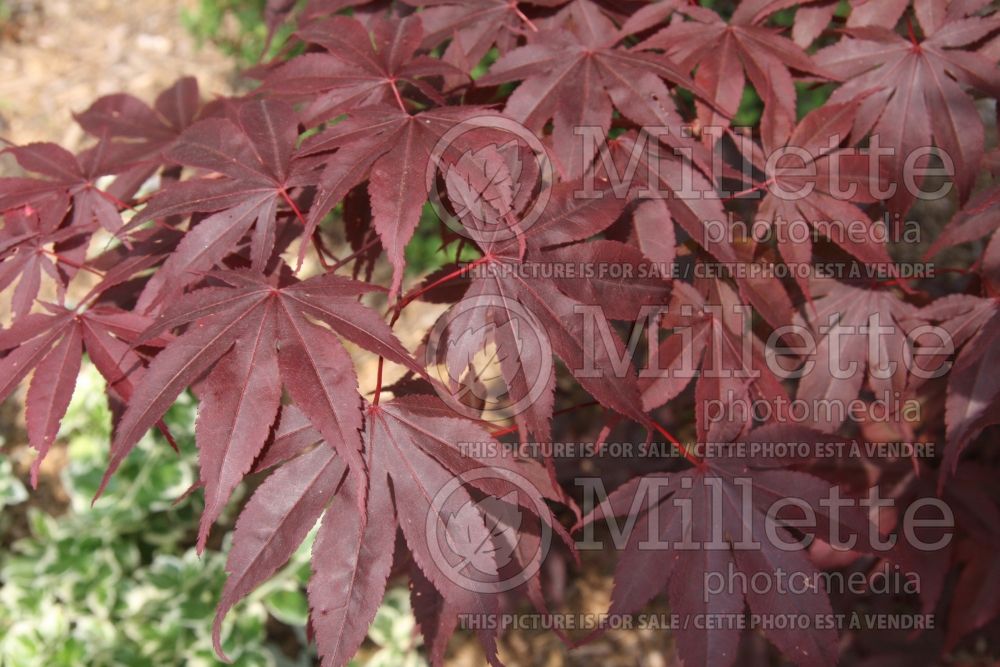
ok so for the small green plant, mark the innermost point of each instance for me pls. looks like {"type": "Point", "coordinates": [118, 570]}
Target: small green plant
{"type": "Point", "coordinates": [394, 633]}
{"type": "Point", "coordinates": [12, 491]}
{"type": "Point", "coordinates": [235, 26]}
{"type": "Point", "coordinates": [118, 583]}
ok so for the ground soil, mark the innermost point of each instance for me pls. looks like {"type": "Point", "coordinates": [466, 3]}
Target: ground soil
{"type": "Point", "coordinates": [60, 55]}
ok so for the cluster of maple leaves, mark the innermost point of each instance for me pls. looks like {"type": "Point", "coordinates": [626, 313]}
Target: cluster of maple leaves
{"type": "Point", "coordinates": [202, 286]}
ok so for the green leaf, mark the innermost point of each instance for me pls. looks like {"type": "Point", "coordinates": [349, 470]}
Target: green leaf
{"type": "Point", "coordinates": [288, 606]}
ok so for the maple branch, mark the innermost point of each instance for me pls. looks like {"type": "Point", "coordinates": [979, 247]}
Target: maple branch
{"type": "Point", "coordinates": [911, 33]}
{"type": "Point", "coordinates": [410, 298]}
{"type": "Point", "coordinates": [528, 22]}
{"type": "Point", "coordinates": [114, 200]}
{"type": "Point", "coordinates": [378, 381]}
{"type": "Point", "coordinates": [356, 254]}
{"type": "Point", "coordinates": [573, 408]}
{"type": "Point", "coordinates": [889, 282]}
{"type": "Point", "coordinates": [399, 98]}
{"type": "Point", "coordinates": [291, 203]}
{"type": "Point", "coordinates": [757, 188]}
{"type": "Point", "coordinates": [76, 265]}
{"type": "Point", "coordinates": [946, 269]}
{"type": "Point", "coordinates": [682, 449]}
{"type": "Point", "coordinates": [407, 299]}
{"type": "Point", "coordinates": [317, 243]}
{"type": "Point", "coordinates": [142, 200]}
{"type": "Point", "coordinates": [322, 250]}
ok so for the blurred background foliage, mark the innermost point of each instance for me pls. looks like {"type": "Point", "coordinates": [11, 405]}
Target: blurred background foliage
{"type": "Point", "coordinates": [236, 26]}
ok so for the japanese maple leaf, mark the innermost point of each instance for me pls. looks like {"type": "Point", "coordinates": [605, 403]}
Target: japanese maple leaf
{"type": "Point", "coordinates": [439, 617]}
{"type": "Point", "coordinates": [558, 305]}
{"type": "Point", "coordinates": [714, 511]}
{"type": "Point", "coordinates": [52, 344]}
{"type": "Point", "coordinates": [973, 386]}
{"type": "Point", "coordinates": [146, 131]}
{"type": "Point", "coordinates": [483, 184]}
{"type": "Point", "coordinates": [362, 66]}
{"type": "Point", "coordinates": [653, 232]}
{"type": "Point", "coordinates": [644, 170]}
{"type": "Point", "coordinates": [860, 333]}
{"type": "Point", "coordinates": [436, 619]}
{"type": "Point", "coordinates": [976, 600]}
{"type": "Point", "coordinates": [726, 54]}
{"type": "Point", "coordinates": [576, 77]}
{"type": "Point", "coordinates": [292, 434]}
{"type": "Point", "coordinates": [279, 515]}
{"type": "Point", "coordinates": [123, 116]}
{"type": "Point", "coordinates": [920, 81]}
{"type": "Point", "coordinates": [978, 218]}
{"type": "Point", "coordinates": [491, 182]}
{"type": "Point", "coordinates": [709, 341]}
{"type": "Point", "coordinates": [415, 439]}
{"type": "Point", "coordinates": [392, 150]}
{"type": "Point", "coordinates": [257, 169]}
{"type": "Point", "coordinates": [411, 457]}
{"type": "Point", "coordinates": [68, 176]}
{"type": "Point", "coordinates": [25, 254]}
{"type": "Point", "coordinates": [473, 28]}
{"type": "Point", "coordinates": [976, 521]}
{"type": "Point", "coordinates": [788, 207]}
{"type": "Point", "coordinates": [363, 10]}
{"type": "Point", "coordinates": [253, 338]}
{"type": "Point", "coordinates": [813, 17]}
